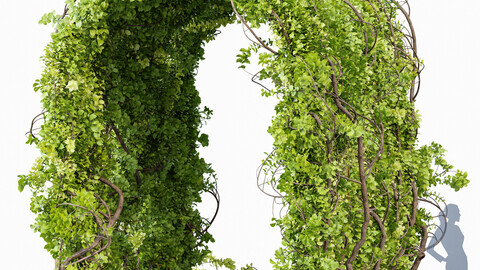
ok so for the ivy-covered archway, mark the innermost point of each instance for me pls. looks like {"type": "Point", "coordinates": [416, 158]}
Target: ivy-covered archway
{"type": "Point", "coordinates": [119, 175]}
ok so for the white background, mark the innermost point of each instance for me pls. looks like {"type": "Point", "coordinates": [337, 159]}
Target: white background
{"type": "Point", "coordinates": [448, 42]}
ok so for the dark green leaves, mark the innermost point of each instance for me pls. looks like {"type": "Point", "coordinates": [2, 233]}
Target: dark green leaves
{"type": "Point", "coordinates": [203, 139]}
{"type": "Point", "coordinates": [119, 141]}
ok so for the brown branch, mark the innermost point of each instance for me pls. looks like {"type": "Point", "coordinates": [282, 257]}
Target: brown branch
{"type": "Point", "coordinates": [421, 250]}
{"type": "Point", "coordinates": [392, 33]}
{"type": "Point", "coordinates": [335, 93]}
{"type": "Point", "coordinates": [325, 243]}
{"type": "Point", "coordinates": [329, 141]}
{"type": "Point", "coordinates": [382, 240]}
{"type": "Point", "coordinates": [350, 179]}
{"type": "Point", "coordinates": [251, 30]}
{"type": "Point", "coordinates": [414, 46]}
{"type": "Point", "coordinates": [359, 16]}
{"type": "Point", "coordinates": [366, 207]}
{"type": "Point", "coordinates": [65, 11]}
{"type": "Point", "coordinates": [414, 203]}
{"type": "Point", "coordinates": [394, 259]}
{"type": "Point", "coordinates": [438, 240]}
{"type": "Point", "coordinates": [124, 146]}
{"type": "Point", "coordinates": [300, 210]}
{"type": "Point", "coordinates": [95, 243]}
{"type": "Point", "coordinates": [108, 215]}
{"type": "Point", "coordinates": [34, 120]}
{"type": "Point", "coordinates": [282, 26]}
{"type": "Point", "coordinates": [332, 113]}
{"type": "Point", "coordinates": [410, 24]}
{"type": "Point", "coordinates": [119, 209]}
{"type": "Point", "coordinates": [101, 236]}
{"type": "Point", "coordinates": [217, 199]}
{"type": "Point", "coordinates": [388, 201]}
{"type": "Point", "coordinates": [119, 138]}
{"type": "Point", "coordinates": [317, 119]}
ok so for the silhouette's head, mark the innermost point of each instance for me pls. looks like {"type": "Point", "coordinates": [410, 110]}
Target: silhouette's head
{"type": "Point", "coordinates": [453, 212]}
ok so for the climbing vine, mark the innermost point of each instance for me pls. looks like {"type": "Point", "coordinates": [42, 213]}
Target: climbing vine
{"type": "Point", "coordinates": [119, 174]}
{"type": "Point", "coordinates": [346, 164]}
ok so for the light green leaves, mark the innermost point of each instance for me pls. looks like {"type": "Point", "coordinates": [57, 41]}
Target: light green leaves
{"type": "Point", "coordinates": [397, 166]}
{"type": "Point", "coordinates": [244, 56]}
{"type": "Point", "coordinates": [345, 132]}
{"type": "Point", "coordinates": [48, 18]}
{"type": "Point", "coordinates": [22, 182]}
{"type": "Point", "coordinates": [216, 262]}
{"type": "Point", "coordinates": [457, 181]}
{"type": "Point", "coordinates": [72, 85]}
{"type": "Point", "coordinates": [136, 238]}
{"type": "Point", "coordinates": [353, 131]}
{"type": "Point", "coordinates": [70, 145]}
{"type": "Point", "coordinates": [145, 62]}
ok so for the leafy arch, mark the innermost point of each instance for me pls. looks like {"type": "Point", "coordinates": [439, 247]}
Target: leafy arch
{"type": "Point", "coordinates": [119, 175]}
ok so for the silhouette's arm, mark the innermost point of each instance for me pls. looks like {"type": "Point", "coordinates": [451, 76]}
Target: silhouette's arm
{"type": "Point", "coordinates": [437, 256]}
{"type": "Point", "coordinates": [433, 241]}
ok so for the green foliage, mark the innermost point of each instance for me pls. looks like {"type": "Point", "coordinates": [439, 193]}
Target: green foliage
{"type": "Point", "coordinates": [215, 262]}
{"type": "Point", "coordinates": [225, 263]}
{"type": "Point", "coordinates": [119, 174]}
{"type": "Point", "coordinates": [345, 133]}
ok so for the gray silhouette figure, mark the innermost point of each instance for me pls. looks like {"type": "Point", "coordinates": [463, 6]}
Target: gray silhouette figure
{"type": "Point", "coordinates": [452, 241]}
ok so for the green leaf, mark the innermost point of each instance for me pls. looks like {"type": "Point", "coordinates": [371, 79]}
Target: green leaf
{"type": "Point", "coordinates": [22, 182]}
{"type": "Point", "coordinates": [70, 145]}
{"type": "Point", "coordinates": [203, 139]}
{"type": "Point", "coordinates": [72, 85]}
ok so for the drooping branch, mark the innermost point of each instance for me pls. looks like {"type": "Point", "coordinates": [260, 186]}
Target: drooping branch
{"type": "Point", "coordinates": [34, 120]}
{"type": "Point", "coordinates": [251, 30]}
{"type": "Point", "coordinates": [216, 195]}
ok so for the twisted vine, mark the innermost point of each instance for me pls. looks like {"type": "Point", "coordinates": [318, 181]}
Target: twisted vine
{"type": "Point", "coordinates": [345, 164]}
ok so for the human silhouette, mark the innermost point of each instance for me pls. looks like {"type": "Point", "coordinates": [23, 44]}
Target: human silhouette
{"type": "Point", "coordinates": [452, 241]}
